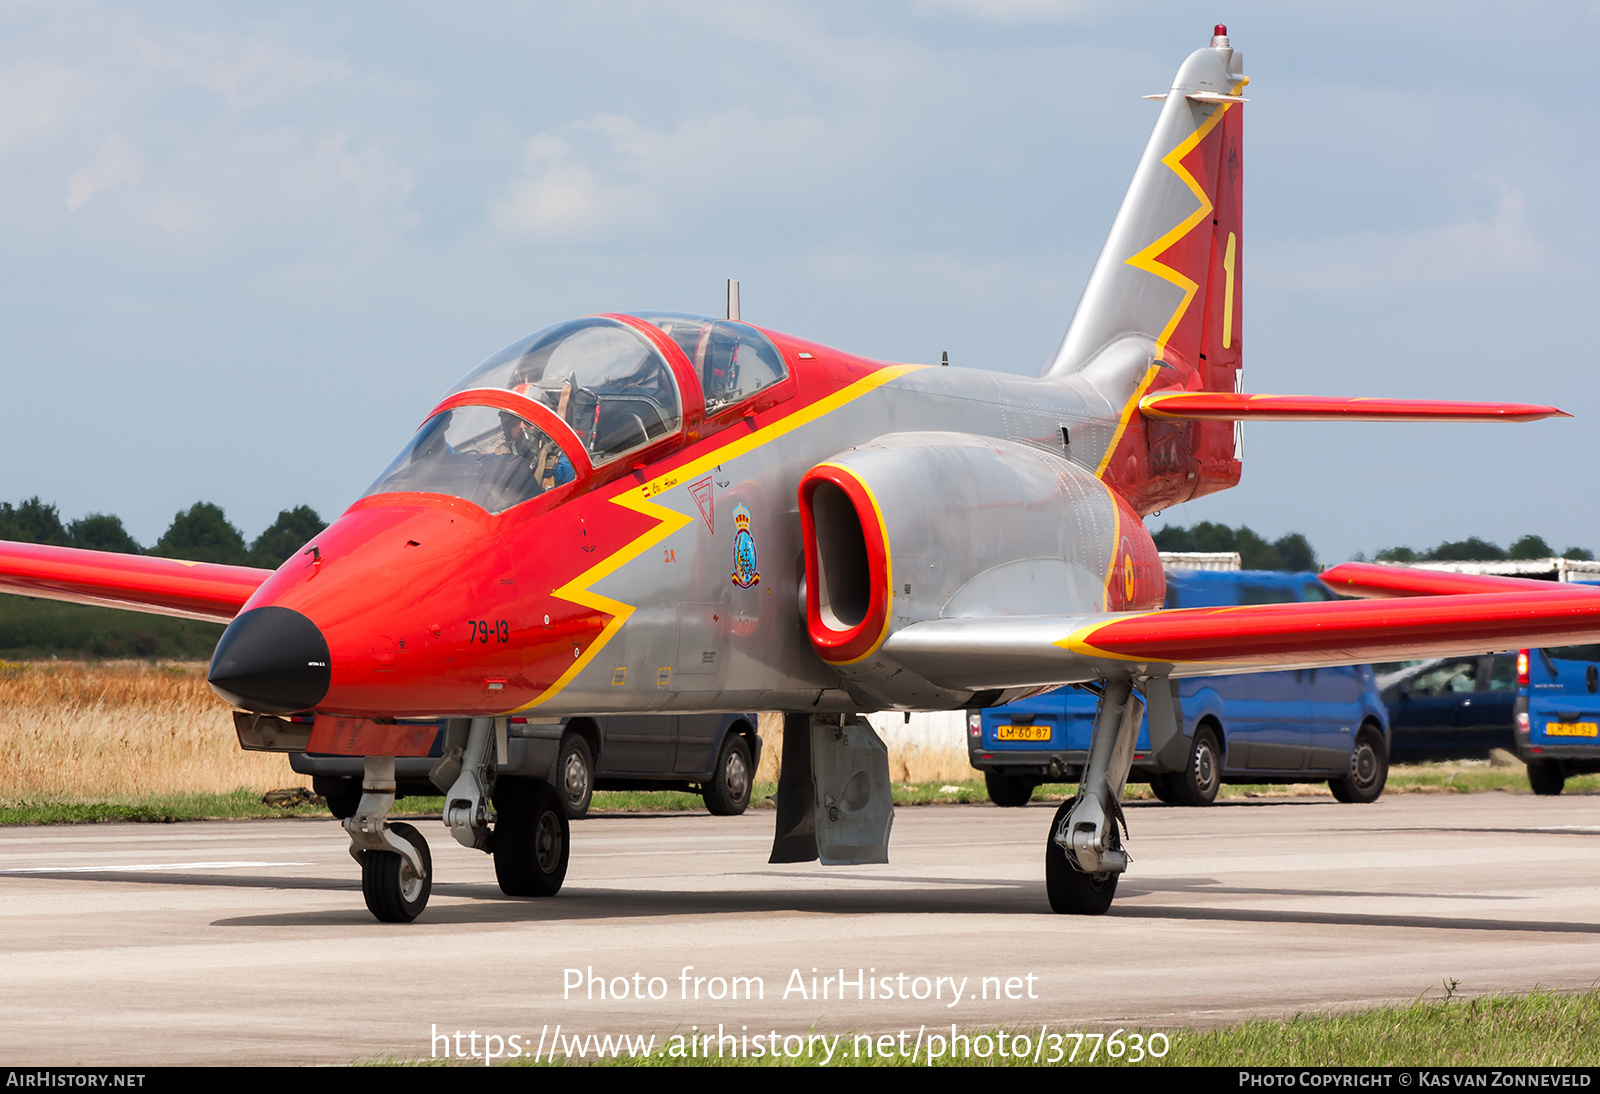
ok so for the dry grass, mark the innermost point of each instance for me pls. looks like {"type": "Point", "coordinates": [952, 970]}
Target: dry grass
{"type": "Point", "coordinates": [915, 756]}
{"type": "Point", "coordinates": [72, 731]}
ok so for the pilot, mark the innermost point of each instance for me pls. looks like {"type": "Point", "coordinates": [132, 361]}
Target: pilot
{"type": "Point", "coordinates": [533, 447]}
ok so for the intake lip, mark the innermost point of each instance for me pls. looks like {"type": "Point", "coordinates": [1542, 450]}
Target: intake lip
{"type": "Point", "coordinates": [271, 660]}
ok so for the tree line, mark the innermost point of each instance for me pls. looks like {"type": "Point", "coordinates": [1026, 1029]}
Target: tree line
{"type": "Point", "coordinates": [1473, 549]}
{"type": "Point", "coordinates": [1291, 553]}
{"type": "Point", "coordinates": [201, 533]}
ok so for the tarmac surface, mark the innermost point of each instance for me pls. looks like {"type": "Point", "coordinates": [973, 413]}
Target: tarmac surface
{"type": "Point", "coordinates": [248, 942]}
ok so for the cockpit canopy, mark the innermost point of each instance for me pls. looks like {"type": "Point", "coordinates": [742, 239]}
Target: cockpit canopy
{"type": "Point", "coordinates": [605, 382]}
{"type": "Point", "coordinates": [732, 360]}
{"type": "Point", "coordinates": [601, 377]}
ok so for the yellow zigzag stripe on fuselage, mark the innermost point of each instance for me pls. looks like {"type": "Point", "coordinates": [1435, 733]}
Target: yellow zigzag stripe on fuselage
{"type": "Point", "coordinates": [638, 499]}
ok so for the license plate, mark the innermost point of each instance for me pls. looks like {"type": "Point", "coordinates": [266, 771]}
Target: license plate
{"type": "Point", "coordinates": [1572, 729]}
{"type": "Point", "coordinates": [1022, 733]}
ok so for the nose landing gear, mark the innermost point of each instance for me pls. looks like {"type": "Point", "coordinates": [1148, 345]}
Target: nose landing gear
{"type": "Point", "coordinates": [530, 838]}
{"type": "Point", "coordinates": [396, 869]}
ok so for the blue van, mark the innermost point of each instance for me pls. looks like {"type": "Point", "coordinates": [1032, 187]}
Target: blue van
{"type": "Point", "coordinates": [1298, 726]}
{"type": "Point", "coordinates": [1558, 714]}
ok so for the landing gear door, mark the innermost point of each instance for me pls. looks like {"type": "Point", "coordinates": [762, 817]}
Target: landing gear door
{"type": "Point", "coordinates": [854, 806]}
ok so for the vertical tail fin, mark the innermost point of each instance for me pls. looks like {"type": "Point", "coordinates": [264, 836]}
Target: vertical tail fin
{"type": "Point", "coordinates": [1162, 308]}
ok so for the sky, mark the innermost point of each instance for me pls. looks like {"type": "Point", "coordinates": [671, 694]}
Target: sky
{"type": "Point", "coordinates": [246, 248]}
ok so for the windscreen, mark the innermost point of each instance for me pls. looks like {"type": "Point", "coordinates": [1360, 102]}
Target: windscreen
{"type": "Point", "coordinates": [487, 456]}
{"type": "Point", "coordinates": [599, 376]}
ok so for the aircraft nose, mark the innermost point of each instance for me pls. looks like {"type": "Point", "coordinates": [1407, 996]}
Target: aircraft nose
{"type": "Point", "coordinates": [272, 660]}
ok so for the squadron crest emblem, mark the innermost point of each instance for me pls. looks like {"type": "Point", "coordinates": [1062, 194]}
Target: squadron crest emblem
{"type": "Point", "coordinates": [745, 574]}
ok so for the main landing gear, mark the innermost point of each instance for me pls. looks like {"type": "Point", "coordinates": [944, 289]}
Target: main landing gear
{"type": "Point", "coordinates": [1083, 857]}
{"type": "Point", "coordinates": [525, 828]}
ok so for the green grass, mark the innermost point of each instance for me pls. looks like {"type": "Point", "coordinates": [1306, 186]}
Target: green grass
{"type": "Point", "coordinates": [243, 804]}
{"type": "Point", "coordinates": [239, 804]}
{"type": "Point", "coordinates": [1540, 1029]}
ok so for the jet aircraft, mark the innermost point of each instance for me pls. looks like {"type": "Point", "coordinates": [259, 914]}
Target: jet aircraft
{"type": "Point", "coordinates": [656, 513]}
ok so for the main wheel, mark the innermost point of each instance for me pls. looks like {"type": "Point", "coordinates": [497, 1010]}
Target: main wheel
{"type": "Point", "coordinates": [1546, 777]}
{"type": "Point", "coordinates": [395, 892]}
{"type": "Point", "coordinates": [531, 838]}
{"type": "Point", "coordinates": [728, 792]}
{"type": "Point", "coordinates": [1008, 790]}
{"type": "Point", "coordinates": [575, 769]}
{"type": "Point", "coordinates": [1198, 782]}
{"type": "Point", "coordinates": [1369, 770]}
{"type": "Point", "coordinates": [1071, 891]}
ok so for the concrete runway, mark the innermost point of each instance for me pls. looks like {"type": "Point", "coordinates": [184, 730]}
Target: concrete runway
{"type": "Point", "coordinates": [248, 942]}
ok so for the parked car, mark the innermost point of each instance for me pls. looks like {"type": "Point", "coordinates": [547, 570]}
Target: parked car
{"type": "Point", "coordinates": [1451, 708]}
{"type": "Point", "coordinates": [715, 755]}
{"type": "Point", "coordinates": [1295, 726]}
{"type": "Point", "coordinates": [1558, 714]}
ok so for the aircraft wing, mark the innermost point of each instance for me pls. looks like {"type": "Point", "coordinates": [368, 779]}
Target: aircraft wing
{"type": "Point", "coordinates": [160, 586]}
{"type": "Point", "coordinates": [1367, 579]}
{"type": "Point", "coordinates": [1028, 651]}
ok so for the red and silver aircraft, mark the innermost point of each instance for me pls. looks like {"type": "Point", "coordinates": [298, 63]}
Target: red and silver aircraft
{"type": "Point", "coordinates": [632, 514]}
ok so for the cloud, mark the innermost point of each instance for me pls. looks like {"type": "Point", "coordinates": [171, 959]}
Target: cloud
{"type": "Point", "coordinates": [37, 99]}
{"type": "Point", "coordinates": [116, 162]}
{"type": "Point", "coordinates": [611, 177]}
{"type": "Point", "coordinates": [1012, 11]}
{"type": "Point", "coordinates": [1480, 246]}
{"type": "Point", "coordinates": [245, 71]}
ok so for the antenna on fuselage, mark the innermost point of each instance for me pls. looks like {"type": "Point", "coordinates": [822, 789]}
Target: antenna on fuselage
{"type": "Point", "coordinates": [733, 300]}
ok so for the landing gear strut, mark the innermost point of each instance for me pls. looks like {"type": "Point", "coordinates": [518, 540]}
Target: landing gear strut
{"type": "Point", "coordinates": [1084, 856]}
{"type": "Point", "coordinates": [526, 830]}
{"type": "Point", "coordinates": [396, 869]}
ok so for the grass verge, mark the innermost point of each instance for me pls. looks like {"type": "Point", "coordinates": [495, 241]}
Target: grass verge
{"type": "Point", "coordinates": [1540, 1029]}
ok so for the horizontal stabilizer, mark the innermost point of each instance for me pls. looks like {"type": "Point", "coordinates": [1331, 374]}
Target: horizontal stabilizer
{"type": "Point", "coordinates": [1227, 406]}
{"type": "Point", "coordinates": [1368, 579]}
{"type": "Point", "coordinates": [1034, 651]}
{"type": "Point", "coordinates": [160, 586]}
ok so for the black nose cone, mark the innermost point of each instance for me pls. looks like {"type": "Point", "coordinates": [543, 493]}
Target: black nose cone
{"type": "Point", "coordinates": [271, 660]}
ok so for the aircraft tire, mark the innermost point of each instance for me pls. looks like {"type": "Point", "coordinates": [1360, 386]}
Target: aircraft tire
{"type": "Point", "coordinates": [728, 792]}
{"type": "Point", "coordinates": [532, 838]}
{"type": "Point", "coordinates": [1008, 791]}
{"type": "Point", "coordinates": [1369, 771]}
{"type": "Point", "coordinates": [394, 893]}
{"type": "Point", "coordinates": [1071, 891]}
{"type": "Point", "coordinates": [1546, 777]}
{"type": "Point", "coordinates": [1201, 777]}
{"type": "Point", "coordinates": [575, 769]}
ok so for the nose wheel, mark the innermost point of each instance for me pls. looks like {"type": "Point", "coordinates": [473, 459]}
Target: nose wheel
{"type": "Point", "coordinates": [395, 889]}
